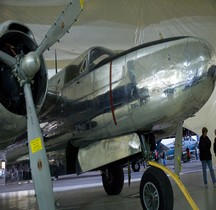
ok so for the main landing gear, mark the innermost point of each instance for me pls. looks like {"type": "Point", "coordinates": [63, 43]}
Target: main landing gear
{"type": "Point", "coordinates": [113, 180]}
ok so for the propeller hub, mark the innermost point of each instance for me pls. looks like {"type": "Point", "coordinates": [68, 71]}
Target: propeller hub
{"type": "Point", "coordinates": [30, 65]}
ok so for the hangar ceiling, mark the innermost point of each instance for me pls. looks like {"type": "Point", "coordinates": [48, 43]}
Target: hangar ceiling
{"type": "Point", "coordinates": [120, 25]}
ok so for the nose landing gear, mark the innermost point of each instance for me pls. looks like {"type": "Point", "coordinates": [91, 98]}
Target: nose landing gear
{"type": "Point", "coordinates": [156, 190]}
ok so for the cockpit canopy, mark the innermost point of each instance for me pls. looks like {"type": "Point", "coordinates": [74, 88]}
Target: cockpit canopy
{"type": "Point", "coordinates": [86, 62]}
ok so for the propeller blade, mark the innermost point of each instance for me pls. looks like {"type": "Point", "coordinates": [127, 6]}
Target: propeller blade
{"type": "Point", "coordinates": [7, 59]}
{"type": "Point", "coordinates": [62, 25]}
{"type": "Point", "coordinates": [38, 158]}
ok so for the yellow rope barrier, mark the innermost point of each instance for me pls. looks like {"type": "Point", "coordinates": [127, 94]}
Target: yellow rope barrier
{"type": "Point", "coordinates": [81, 3]}
{"type": "Point", "coordinates": [178, 182]}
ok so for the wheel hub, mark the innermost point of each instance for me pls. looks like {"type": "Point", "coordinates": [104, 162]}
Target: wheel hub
{"type": "Point", "coordinates": [151, 196]}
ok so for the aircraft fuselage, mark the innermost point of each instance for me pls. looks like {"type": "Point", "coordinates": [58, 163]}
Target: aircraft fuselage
{"type": "Point", "coordinates": [147, 88]}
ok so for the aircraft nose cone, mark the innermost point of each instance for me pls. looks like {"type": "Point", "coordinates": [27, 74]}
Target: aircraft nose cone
{"type": "Point", "coordinates": [204, 81]}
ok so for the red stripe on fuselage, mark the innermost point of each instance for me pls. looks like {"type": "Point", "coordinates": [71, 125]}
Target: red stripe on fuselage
{"type": "Point", "coordinates": [111, 97]}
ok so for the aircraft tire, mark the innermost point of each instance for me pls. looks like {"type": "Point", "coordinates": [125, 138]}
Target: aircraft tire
{"type": "Point", "coordinates": [135, 166]}
{"type": "Point", "coordinates": [114, 182]}
{"type": "Point", "coordinates": [156, 190]}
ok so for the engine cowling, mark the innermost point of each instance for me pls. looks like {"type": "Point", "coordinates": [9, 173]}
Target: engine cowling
{"type": "Point", "coordinates": [17, 40]}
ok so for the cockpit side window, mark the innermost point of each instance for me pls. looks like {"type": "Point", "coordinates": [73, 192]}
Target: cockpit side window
{"type": "Point", "coordinates": [83, 67]}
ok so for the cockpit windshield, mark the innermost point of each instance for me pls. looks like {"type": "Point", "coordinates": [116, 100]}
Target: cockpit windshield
{"type": "Point", "coordinates": [97, 55]}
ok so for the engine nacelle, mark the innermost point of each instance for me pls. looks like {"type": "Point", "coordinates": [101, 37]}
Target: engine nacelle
{"type": "Point", "coordinates": [9, 25]}
{"type": "Point", "coordinates": [17, 39]}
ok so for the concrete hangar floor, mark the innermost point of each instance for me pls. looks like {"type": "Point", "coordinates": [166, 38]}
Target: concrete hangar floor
{"type": "Point", "coordinates": [85, 192]}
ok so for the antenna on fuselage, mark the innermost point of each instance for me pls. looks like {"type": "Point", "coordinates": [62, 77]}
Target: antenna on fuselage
{"type": "Point", "coordinates": [56, 62]}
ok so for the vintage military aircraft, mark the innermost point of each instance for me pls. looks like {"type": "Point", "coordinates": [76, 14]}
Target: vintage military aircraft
{"type": "Point", "coordinates": [104, 109]}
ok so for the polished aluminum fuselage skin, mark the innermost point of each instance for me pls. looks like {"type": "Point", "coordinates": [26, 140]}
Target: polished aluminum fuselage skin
{"type": "Point", "coordinates": [148, 88]}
